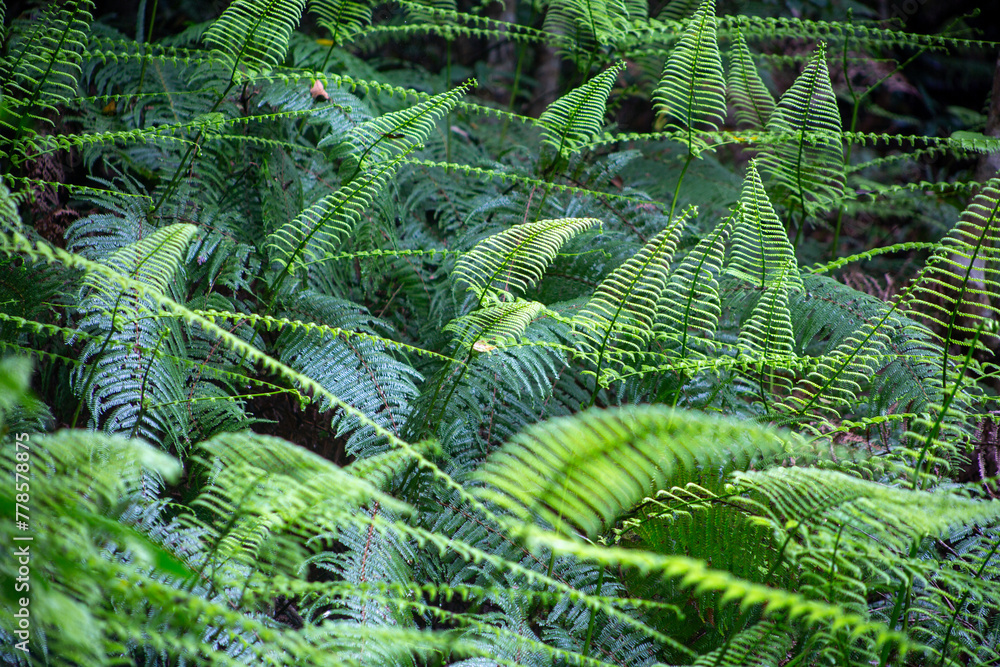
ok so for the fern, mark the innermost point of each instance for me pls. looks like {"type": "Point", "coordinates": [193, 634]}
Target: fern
{"type": "Point", "coordinates": [692, 88]}
{"type": "Point", "coordinates": [373, 313]}
{"type": "Point", "coordinates": [809, 169]}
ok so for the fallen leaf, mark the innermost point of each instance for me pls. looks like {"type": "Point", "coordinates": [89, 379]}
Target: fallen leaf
{"type": "Point", "coordinates": [318, 92]}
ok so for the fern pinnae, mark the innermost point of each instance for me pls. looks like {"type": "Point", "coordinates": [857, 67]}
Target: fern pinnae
{"type": "Point", "coordinates": [751, 99]}
{"type": "Point", "coordinates": [692, 88]}
{"type": "Point", "coordinates": [767, 336]}
{"type": "Point", "coordinates": [619, 316]}
{"type": "Point", "coordinates": [690, 301]}
{"type": "Point", "coordinates": [760, 247]}
{"type": "Point", "coordinates": [577, 117]}
{"type": "Point", "coordinates": [515, 259]}
{"type": "Point", "coordinates": [813, 164]}
{"type": "Point", "coordinates": [964, 275]}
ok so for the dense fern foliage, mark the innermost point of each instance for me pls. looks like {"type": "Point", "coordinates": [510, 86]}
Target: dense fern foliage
{"type": "Point", "coordinates": [316, 351]}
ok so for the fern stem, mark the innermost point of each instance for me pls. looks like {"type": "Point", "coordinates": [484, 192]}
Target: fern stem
{"type": "Point", "coordinates": [149, 38]}
{"type": "Point", "coordinates": [593, 615]}
{"type": "Point", "coordinates": [175, 181]}
{"type": "Point", "coordinates": [677, 188]}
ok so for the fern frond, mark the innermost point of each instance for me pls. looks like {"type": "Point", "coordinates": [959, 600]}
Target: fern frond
{"type": "Point", "coordinates": [255, 33]}
{"type": "Point", "coordinates": [484, 329]}
{"type": "Point", "coordinates": [345, 19]}
{"type": "Point", "coordinates": [810, 169]}
{"type": "Point", "coordinates": [577, 117]}
{"type": "Point", "coordinates": [514, 260]}
{"type": "Point", "coordinates": [319, 230]}
{"type": "Point", "coordinates": [690, 302]}
{"type": "Point", "coordinates": [357, 368]}
{"type": "Point", "coordinates": [392, 134]}
{"type": "Point", "coordinates": [957, 292]}
{"type": "Point", "coordinates": [577, 474]}
{"type": "Point", "coordinates": [692, 89]}
{"type": "Point", "coordinates": [133, 383]}
{"type": "Point", "coordinates": [42, 64]}
{"type": "Point", "coordinates": [767, 337]}
{"type": "Point", "coordinates": [618, 319]}
{"type": "Point", "coordinates": [751, 99]}
{"type": "Point", "coordinates": [760, 247]}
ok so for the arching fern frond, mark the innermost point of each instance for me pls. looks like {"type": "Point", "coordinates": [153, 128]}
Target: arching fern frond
{"type": "Point", "coordinates": [255, 33]}
{"type": "Point", "coordinates": [957, 292]}
{"type": "Point", "coordinates": [486, 328]}
{"type": "Point", "coordinates": [514, 260]}
{"type": "Point", "coordinates": [319, 230]}
{"type": "Point", "coordinates": [577, 474]}
{"type": "Point", "coordinates": [618, 319]}
{"type": "Point", "coordinates": [42, 64]}
{"type": "Point", "coordinates": [134, 382]}
{"type": "Point", "coordinates": [343, 18]}
{"type": "Point", "coordinates": [751, 99]}
{"type": "Point", "coordinates": [809, 170]}
{"type": "Point", "coordinates": [578, 116]}
{"type": "Point", "coordinates": [392, 134]}
{"type": "Point", "coordinates": [760, 250]}
{"type": "Point", "coordinates": [690, 303]}
{"type": "Point", "coordinates": [767, 338]}
{"type": "Point", "coordinates": [692, 90]}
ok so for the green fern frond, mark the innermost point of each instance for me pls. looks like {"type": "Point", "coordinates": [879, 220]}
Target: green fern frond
{"type": "Point", "coordinates": [345, 19]}
{"type": "Point", "coordinates": [583, 27]}
{"type": "Point", "coordinates": [840, 376]}
{"type": "Point", "coordinates": [767, 338]}
{"type": "Point", "coordinates": [751, 99]}
{"type": "Point", "coordinates": [577, 474]}
{"type": "Point", "coordinates": [692, 89]}
{"type": "Point", "coordinates": [957, 292]}
{"type": "Point", "coordinates": [514, 260]}
{"type": "Point", "coordinates": [42, 64]}
{"type": "Point", "coordinates": [690, 302]}
{"type": "Point", "coordinates": [760, 247]}
{"type": "Point", "coordinates": [578, 116]}
{"type": "Point", "coordinates": [617, 321]}
{"type": "Point", "coordinates": [392, 134]}
{"type": "Point", "coordinates": [493, 325]}
{"type": "Point", "coordinates": [358, 368]}
{"type": "Point", "coordinates": [320, 230]}
{"type": "Point", "coordinates": [133, 383]}
{"type": "Point", "coordinates": [255, 33]}
{"type": "Point", "coordinates": [810, 169]}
